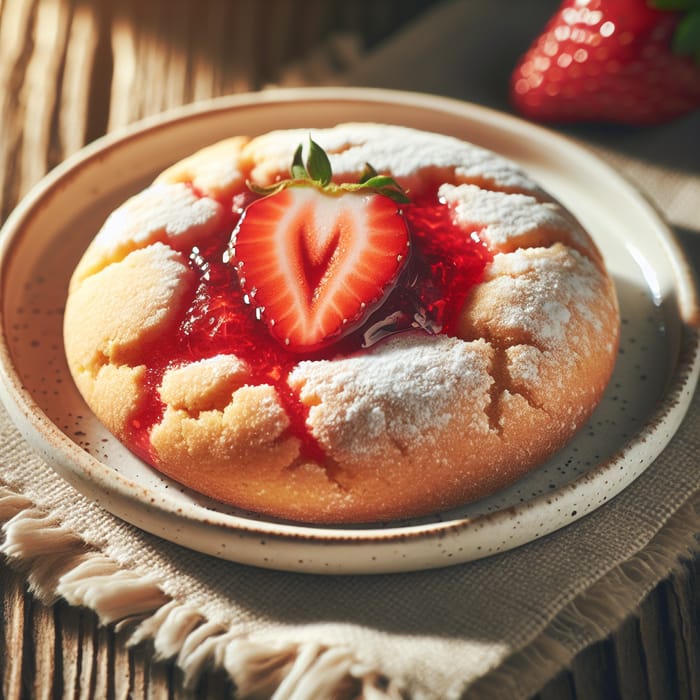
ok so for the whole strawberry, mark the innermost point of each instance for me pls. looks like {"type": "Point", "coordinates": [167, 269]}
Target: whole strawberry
{"type": "Point", "coordinates": [633, 62]}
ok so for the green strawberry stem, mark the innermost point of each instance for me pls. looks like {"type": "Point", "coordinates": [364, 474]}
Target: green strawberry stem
{"type": "Point", "coordinates": [675, 4]}
{"type": "Point", "coordinates": [317, 172]}
{"type": "Point", "coordinates": [686, 39]}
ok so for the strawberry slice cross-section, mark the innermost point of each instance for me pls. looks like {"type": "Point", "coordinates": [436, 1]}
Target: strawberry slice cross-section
{"type": "Point", "coordinates": [315, 264]}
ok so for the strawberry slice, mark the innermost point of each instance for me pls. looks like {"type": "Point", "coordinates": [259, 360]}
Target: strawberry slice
{"type": "Point", "coordinates": [314, 264]}
{"type": "Point", "coordinates": [316, 259]}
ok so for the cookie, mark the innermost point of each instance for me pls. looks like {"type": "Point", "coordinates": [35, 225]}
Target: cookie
{"type": "Point", "coordinates": [404, 323]}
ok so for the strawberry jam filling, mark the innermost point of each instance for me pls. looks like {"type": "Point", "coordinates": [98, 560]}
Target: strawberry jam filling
{"type": "Point", "coordinates": [444, 263]}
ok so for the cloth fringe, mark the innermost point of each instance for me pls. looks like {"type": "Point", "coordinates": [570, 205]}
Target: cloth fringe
{"type": "Point", "coordinates": [596, 613]}
{"type": "Point", "coordinates": [58, 564]}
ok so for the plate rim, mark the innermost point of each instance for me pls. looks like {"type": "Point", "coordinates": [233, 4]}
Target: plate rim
{"type": "Point", "coordinates": [35, 424]}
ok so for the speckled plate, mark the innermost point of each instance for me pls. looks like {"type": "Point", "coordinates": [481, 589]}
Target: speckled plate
{"type": "Point", "coordinates": [649, 393]}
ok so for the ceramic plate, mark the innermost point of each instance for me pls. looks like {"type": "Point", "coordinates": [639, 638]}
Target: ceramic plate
{"type": "Point", "coordinates": [649, 393]}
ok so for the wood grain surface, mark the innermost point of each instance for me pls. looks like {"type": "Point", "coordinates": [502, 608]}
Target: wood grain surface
{"type": "Point", "coordinates": [60, 651]}
{"type": "Point", "coordinates": [71, 70]}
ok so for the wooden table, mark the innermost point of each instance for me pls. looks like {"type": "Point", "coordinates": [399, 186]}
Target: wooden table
{"type": "Point", "coordinates": [70, 70]}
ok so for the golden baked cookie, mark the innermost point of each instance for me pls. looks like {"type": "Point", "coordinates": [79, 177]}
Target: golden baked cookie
{"type": "Point", "coordinates": [404, 323]}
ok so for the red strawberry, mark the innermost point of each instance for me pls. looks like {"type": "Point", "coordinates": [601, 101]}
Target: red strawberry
{"type": "Point", "coordinates": [315, 258]}
{"type": "Point", "coordinates": [612, 60]}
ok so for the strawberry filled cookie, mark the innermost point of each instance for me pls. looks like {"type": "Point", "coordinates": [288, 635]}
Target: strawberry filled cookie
{"type": "Point", "coordinates": [357, 324]}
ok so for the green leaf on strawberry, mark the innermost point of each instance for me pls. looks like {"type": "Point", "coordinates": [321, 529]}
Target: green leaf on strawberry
{"type": "Point", "coordinates": [318, 166]}
{"type": "Point", "coordinates": [317, 172]}
{"type": "Point", "coordinates": [687, 37]}
{"type": "Point", "coordinates": [298, 170]}
{"type": "Point", "coordinates": [675, 4]}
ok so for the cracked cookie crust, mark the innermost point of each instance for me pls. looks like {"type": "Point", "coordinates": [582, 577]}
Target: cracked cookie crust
{"type": "Point", "coordinates": [415, 423]}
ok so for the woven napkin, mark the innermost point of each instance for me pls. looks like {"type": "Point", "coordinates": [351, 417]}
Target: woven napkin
{"type": "Point", "coordinates": [499, 627]}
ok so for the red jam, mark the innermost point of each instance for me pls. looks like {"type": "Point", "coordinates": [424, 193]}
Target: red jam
{"type": "Point", "coordinates": [446, 262]}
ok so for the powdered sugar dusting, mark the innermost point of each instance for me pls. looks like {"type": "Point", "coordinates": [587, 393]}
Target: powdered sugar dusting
{"type": "Point", "coordinates": [162, 210]}
{"type": "Point", "coordinates": [407, 387]}
{"type": "Point", "coordinates": [201, 383]}
{"type": "Point", "coordinates": [524, 364]}
{"type": "Point", "coordinates": [214, 170]}
{"type": "Point", "coordinates": [504, 218]}
{"type": "Point", "coordinates": [540, 290]}
{"type": "Point", "coordinates": [402, 151]}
